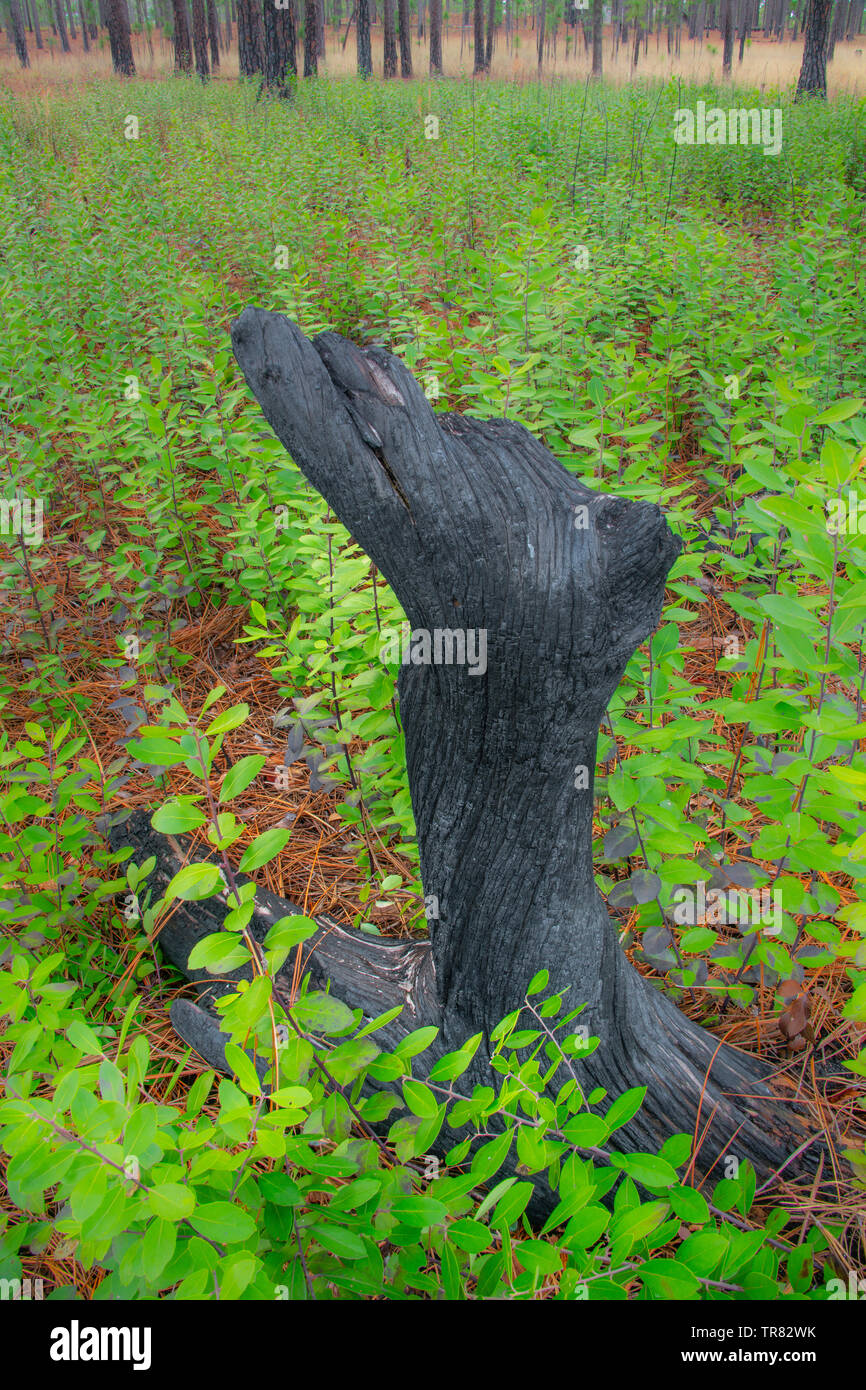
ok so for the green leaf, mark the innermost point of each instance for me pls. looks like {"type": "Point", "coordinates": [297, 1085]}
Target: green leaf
{"type": "Point", "coordinates": [471, 1236]}
{"type": "Point", "coordinates": [239, 777]}
{"type": "Point", "coordinates": [648, 1169]}
{"type": "Point", "coordinates": [538, 1257]}
{"type": "Point", "coordinates": [171, 1201]}
{"type": "Point", "coordinates": [347, 1245]}
{"type": "Point", "coordinates": [193, 882]}
{"type": "Point", "coordinates": [218, 953]}
{"type": "Point", "coordinates": [689, 1205]}
{"type": "Point", "coordinates": [420, 1099]}
{"type": "Point", "coordinates": [177, 816]}
{"type": "Point", "coordinates": [229, 719]}
{"type": "Point", "coordinates": [669, 1279]}
{"type": "Point", "coordinates": [223, 1222]}
{"type": "Point", "coordinates": [419, 1211]}
{"type": "Point", "coordinates": [840, 410]}
{"type": "Point", "coordinates": [586, 1131]}
{"type": "Point", "coordinates": [264, 848]}
{"type": "Point", "coordinates": [625, 1107]}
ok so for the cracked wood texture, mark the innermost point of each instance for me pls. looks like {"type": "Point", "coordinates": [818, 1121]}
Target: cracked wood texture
{"type": "Point", "coordinates": [477, 526]}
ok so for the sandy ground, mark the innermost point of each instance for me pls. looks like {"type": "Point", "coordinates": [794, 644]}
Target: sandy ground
{"type": "Point", "coordinates": [765, 63]}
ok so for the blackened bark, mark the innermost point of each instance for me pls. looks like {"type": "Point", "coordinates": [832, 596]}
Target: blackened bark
{"type": "Point", "coordinates": [541, 27]}
{"type": "Point", "coordinates": [19, 37]}
{"type": "Point", "coordinates": [362, 30]}
{"type": "Point", "coordinates": [83, 18]}
{"type": "Point", "coordinates": [478, 36]}
{"type": "Point", "coordinates": [213, 33]}
{"type": "Point", "coordinates": [199, 39]}
{"type": "Point", "coordinates": [405, 35]}
{"type": "Point", "coordinates": [182, 46]}
{"type": "Point", "coordinates": [120, 38]}
{"type": "Point", "coordinates": [488, 48]}
{"type": "Point", "coordinates": [60, 24]}
{"type": "Point", "coordinates": [389, 65]}
{"type": "Point", "coordinates": [474, 523]}
{"type": "Point", "coordinates": [436, 36]}
{"type": "Point", "coordinates": [813, 73]}
{"type": "Point", "coordinates": [250, 54]}
{"type": "Point", "coordinates": [727, 36]}
{"type": "Point", "coordinates": [280, 41]}
{"type": "Point", "coordinates": [311, 64]}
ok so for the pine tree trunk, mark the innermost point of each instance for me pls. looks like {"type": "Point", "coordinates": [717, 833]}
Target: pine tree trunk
{"type": "Point", "coordinates": [389, 62]}
{"type": "Point", "coordinates": [541, 27]}
{"type": "Point", "coordinates": [19, 36]}
{"type": "Point", "coordinates": [199, 39]}
{"type": "Point", "coordinates": [405, 37]}
{"type": "Point", "coordinates": [213, 34]}
{"type": "Point", "coordinates": [436, 36]}
{"type": "Point", "coordinates": [182, 46]}
{"type": "Point", "coordinates": [813, 73]}
{"type": "Point", "coordinates": [73, 32]}
{"type": "Point", "coordinates": [60, 24]}
{"type": "Point", "coordinates": [83, 18]}
{"type": "Point", "coordinates": [280, 48]}
{"type": "Point", "coordinates": [120, 38]}
{"type": "Point", "coordinates": [504, 826]}
{"type": "Point", "coordinates": [488, 50]}
{"type": "Point", "coordinates": [365, 55]}
{"type": "Point", "coordinates": [478, 35]}
{"type": "Point", "coordinates": [37, 28]}
{"type": "Point", "coordinates": [250, 54]}
{"type": "Point", "coordinates": [597, 37]}
{"type": "Point", "coordinates": [727, 21]}
{"type": "Point", "coordinates": [311, 48]}
{"type": "Point", "coordinates": [227, 23]}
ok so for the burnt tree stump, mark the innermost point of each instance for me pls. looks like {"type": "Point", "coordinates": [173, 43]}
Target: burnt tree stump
{"type": "Point", "coordinates": [474, 525]}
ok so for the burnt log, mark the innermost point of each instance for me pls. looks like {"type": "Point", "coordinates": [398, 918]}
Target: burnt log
{"type": "Point", "coordinates": [479, 529]}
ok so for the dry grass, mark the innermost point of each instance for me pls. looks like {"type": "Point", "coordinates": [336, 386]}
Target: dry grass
{"type": "Point", "coordinates": [766, 64]}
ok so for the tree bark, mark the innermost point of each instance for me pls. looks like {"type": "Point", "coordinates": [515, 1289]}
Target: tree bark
{"type": "Point", "coordinates": [727, 21]}
{"type": "Point", "coordinates": [213, 34]}
{"type": "Point", "coordinates": [83, 18]}
{"type": "Point", "coordinates": [541, 27]}
{"type": "Point", "coordinates": [362, 31]}
{"type": "Point", "coordinates": [311, 37]}
{"type": "Point", "coordinates": [19, 37]}
{"type": "Point", "coordinates": [60, 25]}
{"type": "Point", "coordinates": [70, 18]}
{"type": "Point", "coordinates": [488, 49]}
{"type": "Point", "coordinates": [405, 36]}
{"type": "Point", "coordinates": [389, 62]}
{"type": "Point", "coordinates": [199, 39]}
{"type": "Point", "coordinates": [280, 45]}
{"type": "Point", "coordinates": [436, 36]}
{"type": "Point", "coordinates": [597, 38]}
{"type": "Point", "coordinates": [250, 54]}
{"type": "Point", "coordinates": [813, 73]}
{"type": "Point", "coordinates": [474, 523]}
{"type": "Point", "coordinates": [478, 36]}
{"type": "Point", "coordinates": [37, 28]}
{"type": "Point", "coordinates": [182, 46]}
{"type": "Point", "coordinates": [120, 38]}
